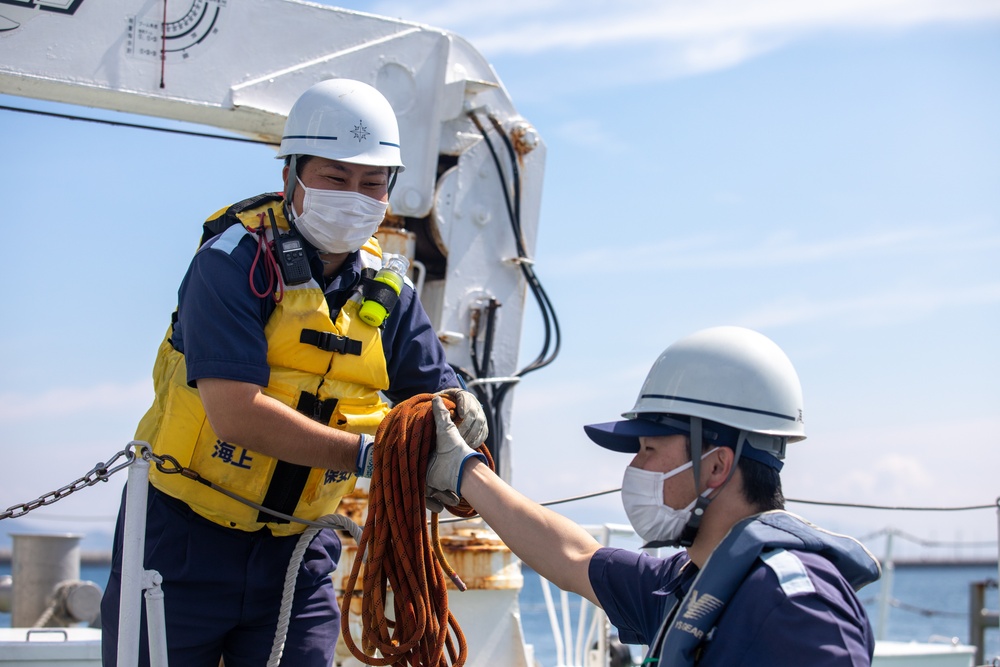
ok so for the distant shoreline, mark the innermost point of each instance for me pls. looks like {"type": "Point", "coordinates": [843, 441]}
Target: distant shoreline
{"type": "Point", "coordinates": [86, 557]}
{"type": "Point", "coordinates": [949, 562]}
{"type": "Point", "coordinates": [104, 558]}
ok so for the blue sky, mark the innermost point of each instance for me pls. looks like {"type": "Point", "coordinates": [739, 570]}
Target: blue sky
{"type": "Point", "coordinates": [827, 173]}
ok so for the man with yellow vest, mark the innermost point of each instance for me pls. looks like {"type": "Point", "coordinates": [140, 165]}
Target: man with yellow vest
{"type": "Point", "coordinates": [270, 385]}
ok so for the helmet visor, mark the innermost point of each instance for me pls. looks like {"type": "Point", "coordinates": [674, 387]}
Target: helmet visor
{"type": "Point", "coordinates": [623, 436]}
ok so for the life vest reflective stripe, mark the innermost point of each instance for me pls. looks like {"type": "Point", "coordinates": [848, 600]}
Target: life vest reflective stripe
{"type": "Point", "coordinates": [791, 572]}
{"type": "Point", "coordinates": [340, 390]}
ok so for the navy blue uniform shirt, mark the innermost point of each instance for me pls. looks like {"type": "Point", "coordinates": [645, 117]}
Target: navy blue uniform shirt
{"type": "Point", "coordinates": [220, 325]}
{"type": "Point", "coordinates": [765, 624]}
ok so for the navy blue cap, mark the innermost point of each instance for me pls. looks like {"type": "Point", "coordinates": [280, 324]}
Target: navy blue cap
{"type": "Point", "coordinates": [623, 436]}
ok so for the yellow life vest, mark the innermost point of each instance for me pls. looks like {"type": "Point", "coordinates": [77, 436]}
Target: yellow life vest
{"type": "Point", "coordinates": [337, 389]}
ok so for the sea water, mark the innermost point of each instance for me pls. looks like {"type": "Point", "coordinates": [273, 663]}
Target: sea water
{"type": "Point", "coordinates": [931, 602]}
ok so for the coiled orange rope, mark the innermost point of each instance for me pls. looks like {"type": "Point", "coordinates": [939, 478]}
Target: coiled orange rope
{"type": "Point", "coordinates": [399, 555]}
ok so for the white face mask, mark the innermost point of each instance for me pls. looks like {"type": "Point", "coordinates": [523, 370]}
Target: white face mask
{"type": "Point", "coordinates": [642, 496]}
{"type": "Point", "coordinates": [338, 221]}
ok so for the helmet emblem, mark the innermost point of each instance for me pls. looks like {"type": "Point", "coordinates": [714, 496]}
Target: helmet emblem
{"type": "Point", "coordinates": [360, 132]}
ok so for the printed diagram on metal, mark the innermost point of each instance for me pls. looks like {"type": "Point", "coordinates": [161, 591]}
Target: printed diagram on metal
{"type": "Point", "coordinates": [182, 33]}
{"type": "Point", "coordinates": [15, 12]}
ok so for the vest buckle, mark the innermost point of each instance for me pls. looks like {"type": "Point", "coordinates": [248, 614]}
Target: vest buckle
{"type": "Point", "coordinates": [330, 342]}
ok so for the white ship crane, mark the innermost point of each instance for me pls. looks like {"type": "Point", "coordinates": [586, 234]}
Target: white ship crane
{"type": "Point", "coordinates": [465, 210]}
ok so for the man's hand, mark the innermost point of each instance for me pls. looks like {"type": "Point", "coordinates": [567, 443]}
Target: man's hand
{"type": "Point", "coordinates": [444, 472]}
{"type": "Point", "coordinates": [469, 416]}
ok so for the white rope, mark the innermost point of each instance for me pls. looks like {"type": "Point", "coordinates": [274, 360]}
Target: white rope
{"type": "Point", "coordinates": [56, 614]}
{"type": "Point", "coordinates": [337, 521]}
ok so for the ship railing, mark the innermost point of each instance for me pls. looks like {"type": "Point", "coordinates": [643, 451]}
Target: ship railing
{"type": "Point", "coordinates": [590, 644]}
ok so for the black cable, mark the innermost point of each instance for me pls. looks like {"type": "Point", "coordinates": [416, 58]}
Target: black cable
{"type": "Point", "coordinates": [546, 305]}
{"type": "Point", "coordinates": [515, 178]}
{"type": "Point", "coordinates": [552, 338]}
{"type": "Point", "coordinates": [137, 126]}
{"type": "Point", "coordinates": [926, 543]}
{"type": "Point", "coordinates": [484, 400]}
{"type": "Point", "coordinates": [549, 320]}
{"type": "Point", "coordinates": [488, 336]}
{"type": "Point", "coordinates": [892, 507]}
{"type": "Point", "coordinates": [518, 241]}
{"type": "Point", "coordinates": [959, 508]}
{"type": "Point", "coordinates": [473, 350]}
{"type": "Point", "coordinates": [549, 503]}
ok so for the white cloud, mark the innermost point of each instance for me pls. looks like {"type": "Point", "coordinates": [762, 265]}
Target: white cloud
{"type": "Point", "coordinates": [706, 34]}
{"type": "Point", "coordinates": [922, 462]}
{"type": "Point", "coordinates": [894, 474]}
{"type": "Point", "coordinates": [880, 308]}
{"type": "Point", "coordinates": [784, 248]}
{"type": "Point", "coordinates": [926, 463]}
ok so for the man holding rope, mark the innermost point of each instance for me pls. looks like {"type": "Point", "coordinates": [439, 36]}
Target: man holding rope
{"type": "Point", "coordinates": [755, 586]}
{"type": "Point", "coordinates": [269, 385]}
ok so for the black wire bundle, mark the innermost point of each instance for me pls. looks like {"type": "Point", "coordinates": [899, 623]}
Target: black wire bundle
{"type": "Point", "coordinates": [492, 396]}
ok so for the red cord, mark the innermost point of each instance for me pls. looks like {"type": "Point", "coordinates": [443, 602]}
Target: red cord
{"type": "Point", "coordinates": [265, 247]}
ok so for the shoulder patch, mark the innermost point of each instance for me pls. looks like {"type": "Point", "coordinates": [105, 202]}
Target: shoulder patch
{"type": "Point", "coordinates": [229, 239]}
{"type": "Point", "coordinates": [792, 574]}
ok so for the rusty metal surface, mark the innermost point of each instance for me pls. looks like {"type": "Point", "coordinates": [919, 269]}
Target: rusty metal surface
{"type": "Point", "coordinates": [524, 138]}
{"type": "Point", "coordinates": [481, 559]}
{"type": "Point", "coordinates": [355, 504]}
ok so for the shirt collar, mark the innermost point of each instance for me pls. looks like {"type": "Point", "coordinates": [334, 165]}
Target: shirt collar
{"type": "Point", "coordinates": [346, 277]}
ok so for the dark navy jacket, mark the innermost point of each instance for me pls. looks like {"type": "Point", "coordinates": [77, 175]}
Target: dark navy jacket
{"type": "Point", "coordinates": [220, 325]}
{"type": "Point", "coordinates": [793, 608]}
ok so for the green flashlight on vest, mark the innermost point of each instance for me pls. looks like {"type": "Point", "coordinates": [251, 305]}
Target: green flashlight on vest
{"type": "Point", "coordinates": [381, 294]}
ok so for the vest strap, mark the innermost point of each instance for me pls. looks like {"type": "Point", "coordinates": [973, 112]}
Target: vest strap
{"type": "Point", "coordinates": [325, 340]}
{"type": "Point", "coordinates": [314, 408]}
{"type": "Point", "coordinates": [289, 479]}
{"type": "Point", "coordinates": [682, 633]}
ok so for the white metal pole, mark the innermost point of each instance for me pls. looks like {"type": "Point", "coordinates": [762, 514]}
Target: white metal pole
{"type": "Point", "coordinates": [885, 595]}
{"type": "Point", "coordinates": [133, 549]}
{"type": "Point", "coordinates": [156, 622]}
{"type": "Point", "coordinates": [582, 636]}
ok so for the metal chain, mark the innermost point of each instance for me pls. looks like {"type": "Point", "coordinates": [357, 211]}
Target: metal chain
{"type": "Point", "coordinates": [168, 465]}
{"type": "Point", "coordinates": [99, 473]}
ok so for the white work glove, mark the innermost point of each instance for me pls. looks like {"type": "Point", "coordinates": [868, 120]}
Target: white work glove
{"type": "Point", "coordinates": [469, 416]}
{"type": "Point", "coordinates": [444, 471]}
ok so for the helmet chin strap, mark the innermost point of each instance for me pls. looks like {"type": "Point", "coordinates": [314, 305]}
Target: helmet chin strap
{"type": "Point", "coordinates": [393, 173]}
{"type": "Point", "coordinates": [694, 523]}
{"type": "Point", "coordinates": [290, 181]}
{"type": "Point", "coordinates": [690, 531]}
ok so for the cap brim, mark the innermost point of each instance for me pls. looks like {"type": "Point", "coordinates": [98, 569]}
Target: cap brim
{"type": "Point", "coordinates": [623, 436]}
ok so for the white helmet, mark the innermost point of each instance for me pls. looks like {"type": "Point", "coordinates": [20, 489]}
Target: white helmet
{"type": "Point", "coordinates": [725, 386]}
{"type": "Point", "coordinates": [344, 120]}
{"type": "Point", "coordinates": [731, 376]}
